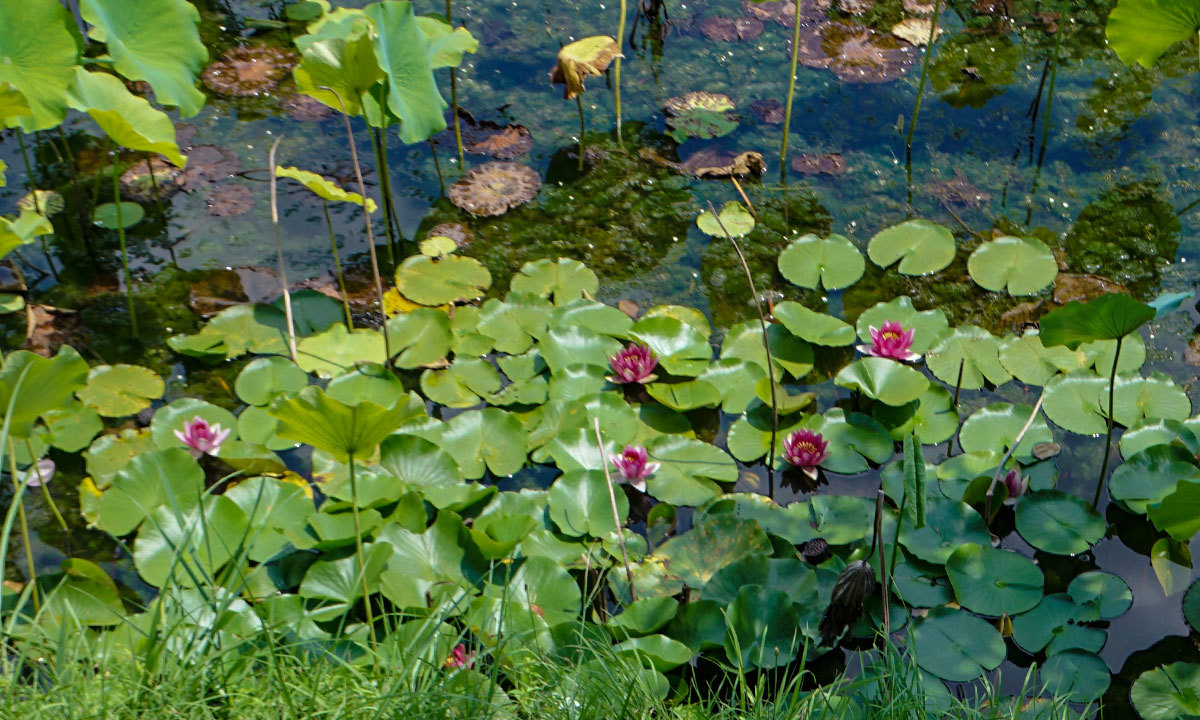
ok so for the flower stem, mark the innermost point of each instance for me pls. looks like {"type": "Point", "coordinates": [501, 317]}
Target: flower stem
{"type": "Point", "coordinates": [283, 284]}
{"type": "Point", "coordinates": [1112, 380]}
{"type": "Point", "coordinates": [582, 128]}
{"type": "Point", "coordinates": [454, 99]}
{"type": "Point", "coordinates": [437, 165]}
{"type": "Point", "coordinates": [787, 113]}
{"type": "Point", "coordinates": [32, 568]}
{"type": "Point", "coordinates": [379, 147]}
{"type": "Point", "coordinates": [358, 548]}
{"type": "Point", "coordinates": [612, 498]}
{"type": "Point", "coordinates": [116, 183]}
{"type": "Point", "coordinates": [617, 69]}
{"type": "Point", "coordinates": [338, 264]}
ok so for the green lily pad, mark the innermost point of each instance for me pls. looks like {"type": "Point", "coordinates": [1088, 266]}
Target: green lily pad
{"type": "Point", "coordinates": [431, 281]}
{"type": "Point", "coordinates": [172, 417]}
{"type": "Point", "coordinates": [659, 651]}
{"type": "Point", "coordinates": [1178, 514]}
{"type": "Point", "coordinates": [737, 380]}
{"type": "Point", "coordinates": [188, 548]}
{"type": "Point", "coordinates": [1150, 476]}
{"type": "Point", "coordinates": [744, 341]}
{"type": "Point", "coordinates": [921, 246]}
{"type": "Point", "coordinates": [1191, 605]}
{"type": "Point", "coordinates": [934, 420]}
{"type": "Point", "coordinates": [129, 120]}
{"type": "Point", "coordinates": [763, 628]}
{"type": "Point", "coordinates": [700, 625]}
{"type": "Point", "coordinates": [973, 349]}
{"type": "Point", "coordinates": [955, 645]}
{"type": "Point", "coordinates": [995, 427]}
{"type": "Point", "coordinates": [1108, 317]}
{"type": "Point", "coordinates": [263, 378]}
{"type": "Point", "coordinates": [337, 351]}
{"type": "Point", "coordinates": [1142, 30]}
{"type": "Point", "coordinates": [1076, 676]}
{"type": "Point", "coordinates": [41, 71]}
{"type": "Point", "coordinates": [340, 581]}
{"type": "Point", "coordinates": [105, 215]}
{"type": "Point", "coordinates": [1100, 595]}
{"type": "Point", "coordinates": [833, 262]}
{"type": "Point", "coordinates": [1022, 266]}
{"type": "Point", "coordinates": [948, 524]}
{"type": "Point", "coordinates": [733, 217]}
{"type": "Point", "coordinates": [1169, 692]}
{"type": "Point", "coordinates": [817, 328]}
{"type": "Point", "coordinates": [927, 325]}
{"type": "Point", "coordinates": [994, 582]}
{"type": "Point", "coordinates": [161, 478]}
{"type": "Point", "coordinates": [719, 540]}
{"type": "Point", "coordinates": [788, 575]}
{"type": "Point", "coordinates": [72, 429]}
{"type": "Point", "coordinates": [1033, 363]}
{"type": "Point", "coordinates": [689, 470]}
{"type": "Point", "coordinates": [681, 349]}
{"type": "Point", "coordinates": [461, 384]}
{"type": "Point", "coordinates": [119, 390]}
{"type": "Point", "coordinates": [885, 380]}
{"type": "Point", "coordinates": [479, 440]}
{"type": "Point", "coordinates": [420, 337]}
{"type": "Point", "coordinates": [574, 345]}
{"type": "Point", "coordinates": [563, 280]}
{"type": "Point", "coordinates": [579, 504]}
{"type": "Point", "coordinates": [1137, 399]}
{"type": "Point", "coordinates": [1058, 523]}
{"type": "Point", "coordinates": [1073, 402]}
{"type": "Point", "coordinates": [1054, 626]}
{"type": "Point", "coordinates": [646, 615]}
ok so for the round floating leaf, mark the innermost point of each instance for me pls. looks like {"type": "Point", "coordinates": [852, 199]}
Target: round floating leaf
{"type": "Point", "coordinates": [700, 625]}
{"type": "Point", "coordinates": [927, 325]}
{"type": "Point", "coordinates": [736, 221]}
{"type": "Point", "coordinates": [574, 345]}
{"type": "Point", "coordinates": [563, 280]}
{"type": "Point", "coordinates": [1108, 317]}
{"type": "Point", "coordinates": [1054, 625]}
{"type": "Point", "coordinates": [833, 262]}
{"type": "Point", "coordinates": [72, 429]}
{"type": "Point", "coordinates": [744, 341]}
{"type": "Point", "coordinates": [973, 349]}
{"type": "Point", "coordinates": [737, 381]}
{"type": "Point", "coordinates": [1157, 397]}
{"type": "Point", "coordinates": [884, 380]}
{"type": "Point", "coordinates": [681, 348]}
{"type": "Point", "coordinates": [452, 279]}
{"type": "Point", "coordinates": [686, 395]}
{"type": "Point", "coordinates": [149, 481]}
{"type": "Point", "coordinates": [839, 519]}
{"type": "Point", "coordinates": [105, 215]}
{"type": "Point", "coordinates": [579, 504]}
{"type": "Point", "coordinates": [956, 646]}
{"type": "Point", "coordinates": [1142, 30]}
{"type": "Point", "coordinates": [420, 337]}
{"type": "Point", "coordinates": [660, 651]}
{"type": "Point", "coordinates": [788, 575]}
{"type": "Point", "coordinates": [118, 390]}
{"type": "Point", "coordinates": [1076, 676]}
{"type": "Point", "coordinates": [996, 426]}
{"type": "Point", "coordinates": [1170, 692]}
{"type": "Point", "coordinates": [1150, 476]}
{"type": "Point", "coordinates": [1058, 523]}
{"type": "Point", "coordinates": [461, 384]}
{"type": "Point", "coordinates": [921, 246]}
{"type": "Point", "coordinates": [337, 351]}
{"type": "Point", "coordinates": [479, 439]}
{"type": "Point", "coordinates": [763, 628]}
{"type": "Point", "coordinates": [689, 470]}
{"type": "Point", "coordinates": [1023, 266]}
{"type": "Point", "coordinates": [264, 378]}
{"type": "Point", "coordinates": [1073, 402]}
{"type": "Point", "coordinates": [188, 548]}
{"type": "Point", "coordinates": [817, 328]}
{"type": "Point", "coordinates": [994, 582]}
{"type": "Point", "coordinates": [934, 420]}
{"type": "Point", "coordinates": [948, 524]}
{"type": "Point", "coordinates": [1033, 363]}
{"type": "Point", "coordinates": [646, 615]}
{"type": "Point", "coordinates": [1100, 595]}
{"type": "Point", "coordinates": [717, 541]}
{"type": "Point", "coordinates": [854, 439]}
{"type": "Point", "coordinates": [417, 461]}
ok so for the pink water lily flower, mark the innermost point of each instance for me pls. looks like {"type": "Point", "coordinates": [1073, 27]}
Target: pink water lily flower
{"type": "Point", "coordinates": [200, 437]}
{"type": "Point", "coordinates": [1016, 484]}
{"type": "Point", "coordinates": [460, 658]}
{"type": "Point", "coordinates": [806, 450]}
{"type": "Point", "coordinates": [634, 364]}
{"type": "Point", "coordinates": [39, 473]}
{"type": "Point", "coordinates": [891, 341]}
{"type": "Point", "coordinates": [633, 466]}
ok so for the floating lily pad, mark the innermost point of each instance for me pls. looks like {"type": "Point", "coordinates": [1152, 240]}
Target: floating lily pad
{"type": "Point", "coordinates": [1100, 595]}
{"type": "Point", "coordinates": [105, 215]}
{"type": "Point", "coordinates": [264, 378]}
{"type": "Point", "coordinates": [814, 327]}
{"type": "Point", "coordinates": [995, 582]}
{"type": "Point", "coordinates": [562, 280]}
{"type": "Point", "coordinates": [1150, 476]}
{"type": "Point", "coordinates": [763, 628]}
{"type": "Point", "coordinates": [1055, 625]}
{"type": "Point", "coordinates": [420, 337]}
{"type": "Point", "coordinates": [956, 646]}
{"type": "Point", "coordinates": [1178, 514]}
{"type": "Point", "coordinates": [1058, 523]}
{"type": "Point", "coordinates": [1169, 692]}
{"type": "Point", "coordinates": [928, 326]}
{"type": "Point", "coordinates": [934, 420]}
{"type": "Point", "coordinates": [1073, 402]}
{"type": "Point", "coordinates": [882, 379]}
{"type": "Point", "coordinates": [833, 262]}
{"type": "Point", "coordinates": [1022, 266]}
{"type": "Point", "coordinates": [689, 470]}
{"type": "Point", "coordinates": [680, 348]}
{"type": "Point", "coordinates": [337, 351]}
{"type": "Point", "coordinates": [118, 390]}
{"type": "Point", "coordinates": [921, 246]}
{"type": "Point", "coordinates": [431, 281]}
{"type": "Point", "coordinates": [996, 426]}
{"type": "Point", "coordinates": [490, 439]}
{"type": "Point", "coordinates": [733, 219]}
{"type": "Point", "coordinates": [579, 504]}
{"type": "Point", "coordinates": [973, 349]}
{"type": "Point", "coordinates": [1075, 675]}
{"type": "Point", "coordinates": [948, 524]}
{"type": "Point", "coordinates": [717, 541]}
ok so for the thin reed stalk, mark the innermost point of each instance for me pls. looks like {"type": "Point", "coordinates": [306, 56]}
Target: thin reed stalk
{"type": "Point", "coordinates": [282, 269]}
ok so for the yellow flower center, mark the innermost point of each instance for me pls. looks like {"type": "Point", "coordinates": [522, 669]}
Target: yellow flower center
{"type": "Point", "coordinates": [890, 335]}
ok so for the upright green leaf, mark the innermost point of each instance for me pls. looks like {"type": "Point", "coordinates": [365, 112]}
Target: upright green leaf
{"type": "Point", "coordinates": [403, 53]}
{"type": "Point", "coordinates": [1142, 30]}
{"type": "Point", "coordinates": [126, 118]}
{"type": "Point", "coordinates": [38, 55]}
{"type": "Point", "coordinates": [337, 428]}
{"type": "Point", "coordinates": [914, 483]}
{"type": "Point", "coordinates": [339, 55]}
{"type": "Point", "coordinates": [1108, 317]}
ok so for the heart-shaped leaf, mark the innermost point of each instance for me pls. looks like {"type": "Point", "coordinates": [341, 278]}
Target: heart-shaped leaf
{"type": "Point", "coordinates": [921, 246]}
{"type": "Point", "coordinates": [833, 262]}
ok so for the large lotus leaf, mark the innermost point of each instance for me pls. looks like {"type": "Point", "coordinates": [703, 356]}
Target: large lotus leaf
{"type": "Point", "coordinates": [885, 380]}
{"type": "Point", "coordinates": [461, 384]}
{"type": "Point", "coordinates": [272, 507]}
{"type": "Point", "coordinates": [338, 350]}
{"type": "Point", "coordinates": [948, 524]}
{"type": "Point", "coordinates": [788, 575]}
{"type": "Point", "coordinates": [315, 418]}
{"type": "Point", "coordinates": [832, 262]}
{"type": "Point", "coordinates": [1031, 362]}
{"type": "Point", "coordinates": [563, 280]}
{"type": "Point", "coordinates": [446, 44]}
{"type": "Point", "coordinates": [680, 348]}
{"type": "Point", "coordinates": [1172, 564]}
{"type": "Point", "coordinates": [1074, 402]}
{"type": "Point", "coordinates": [1170, 692]}
{"type": "Point", "coordinates": [996, 426]}
{"type": "Point", "coordinates": [928, 326]}
{"type": "Point", "coordinates": [339, 54]}
{"type": "Point", "coordinates": [323, 187]}
{"type": "Point", "coordinates": [789, 353]}
{"type": "Point", "coordinates": [763, 628]}
{"type": "Point", "coordinates": [38, 57]}
{"type": "Point", "coordinates": [161, 478]}
{"type": "Point", "coordinates": [1076, 676]}
{"type": "Point", "coordinates": [1157, 397]}
{"type": "Point", "coordinates": [187, 546]}
{"type": "Point", "coordinates": [689, 470]}
{"type": "Point", "coordinates": [717, 541]}
{"type": "Point", "coordinates": [956, 646]}
{"type": "Point", "coordinates": [934, 420]}
{"type": "Point", "coordinates": [990, 581]}
{"type": "Point", "coordinates": [973, 349]}
{"type": "Point", "coordinates": [1150, 476]}
{"type": "Point", "coordinates": [12, 104]}
{"type": "Point", "coordinates": [1058, 523]}
{"type": "Point", "coordinates": [264, 378]}
{"type": "Point", "coordinates": [437, 281]}
{"type": "Point", "coordinates": [1178, 514]}
{"type": "Point", "coordinates": [733, 218]}
{"type": "Point", "coordinates": [126, 118]}
{"type": "Point", "coordinates": [490, 439]}
{"type": "Point", "coordinates": [117, 390]}
{"type": "Point", "coordinates": [817, 328]}
{"type": "Point", "coordinates": [1108, 317]}
{"type": "Point", "coordinates": [404, 53]}
{"type": "Point", "coordinates": [1023, 266]}
{"type": "Point", "coordinates": [579, 504]}
{"type": "Point", "coordinates": [157, 42]}
{"type": "Point", "coordinates": [921, 246]}
{"type": "Point", "coordinates": [15, 233]}
{"type": "Point", "coordinates": [39, 385]}
{"type": "Point", "coordinates": [581, 59]}
{"type": "Point", "coordinates": [1100, 595]}
{"type": "Point", "coordinates": [1142, 30]}
{"type": "Point", "coordinates": [340, 579]}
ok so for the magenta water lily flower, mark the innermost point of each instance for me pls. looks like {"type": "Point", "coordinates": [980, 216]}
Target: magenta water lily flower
{"type": "Point", "coordinates": [460, 658]}
{"type": "Point", "coordinates": [891, 341]}
{"type": "Point", "coordinates": [634, 466]}
{"type": "Point", "coordinates": [634, 364]}
{"type": "Point", "coordinates": [1016, 484]}
{"type": "Point", "coordinates": [200, 437]}
{"type": "Point", "coordinates": [806, 450]}
{"type": "Point", "coordinates": [40, 473]}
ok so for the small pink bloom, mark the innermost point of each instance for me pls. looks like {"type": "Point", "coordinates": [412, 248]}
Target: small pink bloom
{"type": "Point", "coordinates": [891, 341]}
{"type": "Point", "coordinates": [39, 473]}
{"type": "Point", "coordinates": [1016, 484]}
{"type": "Point", "coordinates": [806, 450]}
{"type": "Point", "coordinates": [634, 364]}
{"type": "Point", "coordinates": [460, 658]}
{"type": "Point", "coordinates": [634, 467]}
{"type": "Point", "coordinates": [200, 437]}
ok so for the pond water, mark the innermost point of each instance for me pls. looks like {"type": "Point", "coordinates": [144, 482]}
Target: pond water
{"type": "Point", "coordinates": [1095, 158]}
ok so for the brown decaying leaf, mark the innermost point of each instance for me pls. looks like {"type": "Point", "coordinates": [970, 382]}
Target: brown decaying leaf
{"type": "Point", "coordinates": [248, 71]}
{"type": "Point", "coordinates": [581, 59]}
{"type": "Point", "coordinates": [459, 233]}
{"type": "Point", "coordinates": [819, 164]}
{"type": "Point", "coordinates": [304, 108]}
{"type": "Point", "coordinates": [729, 30]}
{"type": "Point", "coordinates": [49, 328]}
{"type": "Point", "coordinates": [502, 142]}
{"type": "Point", "coordinates": [1071, 286]}
{"type": "Point", "coordinates": [494, 188]}
{"type": "Point", "coordinates": [208, 164]}
{"type": "Point", "coordinates": [230, 201]}
{"type": "Point", "coordinates": [137, 185]}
